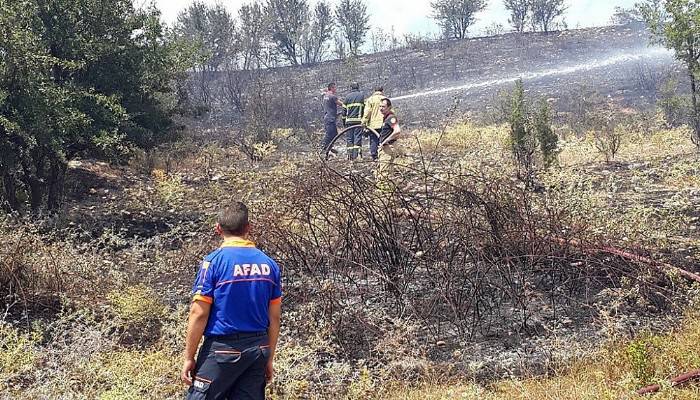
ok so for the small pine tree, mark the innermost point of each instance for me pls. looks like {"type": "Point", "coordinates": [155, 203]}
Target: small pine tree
{"type": "Point", "coordinates": [544, 132]}
{"type": "Point", "coordinates": [521, 137]}
{"type": "Point", "coordinates": [530, 131]}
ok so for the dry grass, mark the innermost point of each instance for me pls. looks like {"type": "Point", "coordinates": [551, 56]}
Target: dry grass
{"type": "Point", "coordinates": [93, 349]}
{"type": "Point", "coordinates": [612, 373]}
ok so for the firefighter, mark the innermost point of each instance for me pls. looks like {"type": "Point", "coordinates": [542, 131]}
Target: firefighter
{"type": "Point", "coordinates": [389, 148]}
{"type": "Point", "coordinates": [354, 110]}
{"type": "Point", "coordinates": [236, 308]}
{"type": "Point", "coordinates": [373, 118]}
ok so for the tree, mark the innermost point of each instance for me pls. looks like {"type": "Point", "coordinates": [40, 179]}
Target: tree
{"type": "Point", "coordinates": [319, 32]}
{"type": "Point", "coordinates": [251, 34]}
{"type": "Point", "coordinates": [544, 133]}
{"type": "Point", "coordinates": [530, 129]}
{"type": "Point", "coordinates": [212, 29]}
{"type": "Point", "coordinates": [624, 16]}
{"type": "Point", "coordinates": [456, 16]}
{"type": "Point", "coordinates": [287, 20]}
{"type": "Point", "coordinates": [544, 12]}
{"type": "Point", "coordinates": [676, 25]}
{"type": "Point", "coordinates": [84, 78]}
{"type": "Point", "coordinates": [522, 139]}
{"type": "Point", "coordinates": [353, 21]}
{"type": "Point", "coordinates": [519, 12]}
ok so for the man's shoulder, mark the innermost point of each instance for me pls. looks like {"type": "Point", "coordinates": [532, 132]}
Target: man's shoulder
{"type": "Point", "coordinates": [214, 254]}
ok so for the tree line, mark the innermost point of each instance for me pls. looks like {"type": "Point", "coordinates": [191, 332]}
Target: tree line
{"type": "Point", "coordinates": [273, 32]}
{"type": "Point", "coordinates": [292, 32]}
{"type": "Point", "coordinates": [456, 16]}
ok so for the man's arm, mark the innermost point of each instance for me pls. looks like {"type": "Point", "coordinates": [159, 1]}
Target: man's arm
{"type": "Point", "coordinates": [197, 321]}
{"type": "Point", "coordinates": [273, 332]}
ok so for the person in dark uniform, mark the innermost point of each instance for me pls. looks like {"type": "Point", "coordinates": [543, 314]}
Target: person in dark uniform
{"type": "Point", "coordinates": [330, 117]}
{"type": "Point", "coordinates": [354, 109]}
{"type": "Point", "coordinates": [389, 148]}
{"type": "Point", "coordinates": [236, 307]}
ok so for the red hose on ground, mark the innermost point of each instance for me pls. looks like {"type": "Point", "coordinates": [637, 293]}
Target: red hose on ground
{"type": "Point", "coordinates": [631, 256]}
{"type": "Point", "coordinates": [680, 379]}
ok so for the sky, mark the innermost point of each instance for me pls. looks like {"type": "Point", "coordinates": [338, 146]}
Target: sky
{"type": "Point", "coordinates": [413, 16]}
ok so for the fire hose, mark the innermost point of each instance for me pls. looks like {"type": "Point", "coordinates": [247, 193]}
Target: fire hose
{"type": "Point", "coordinates": [664, 267]}
{"type": "Point", "coordinates": [661, 266]}
{"type": "Point", "coordinates": [680, 379]}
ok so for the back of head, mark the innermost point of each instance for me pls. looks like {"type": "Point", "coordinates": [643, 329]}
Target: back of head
{"type": "Point", "coordinates": [233, 219]}
{"type": "Point", "coordinates": [379, 89]}
{"type": "Point", "coordinates": [354, 86]}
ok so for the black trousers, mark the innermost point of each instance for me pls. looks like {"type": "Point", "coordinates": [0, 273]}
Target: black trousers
{"type": "Point", "coordinates": [231, 367]}
{"type": "Point", "coordinates": [353, 139]}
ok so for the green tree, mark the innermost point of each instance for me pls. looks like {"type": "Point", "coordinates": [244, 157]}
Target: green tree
{"type": "Point", "coordinates": [353, 21]}
{"type": "Point", "coordinates": [544, 12]}
{"type": "Point", "coordinates": [547, 139]}
{"type": "Point", "coordinates": [212, 29]}
{"type": "Point", "coordinates": [78, 78]}
{"type": "Point", "coordinates": [519, 12]}
{"type": "Point", "coordinates": [676, 25]}
{"type": "Point", "coordinates": [522, 139]}
{"type": "Point", "coordinates": [530, 130]}
{"type": "Point", "coordinates": [320, 29]}
{"type": "Point", "coordinates": [251, 35]}
{"type": "Point", "coordinates": [287, 21]}
{"type": "Point", "coordinates": [456, 16]}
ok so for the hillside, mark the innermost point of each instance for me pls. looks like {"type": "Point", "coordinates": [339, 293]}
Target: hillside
{"type": "Point", "coordinates": [609, 64]}
{"type": "Point", "coordinates": [462, 280]}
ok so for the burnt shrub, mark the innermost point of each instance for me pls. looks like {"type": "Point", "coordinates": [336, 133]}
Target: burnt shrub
{"type": "Point", "coordinates": [460, 253]}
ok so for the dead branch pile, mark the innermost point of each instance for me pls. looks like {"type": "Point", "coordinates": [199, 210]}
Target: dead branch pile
{"type": "Point", "coordinates": [460, 253]}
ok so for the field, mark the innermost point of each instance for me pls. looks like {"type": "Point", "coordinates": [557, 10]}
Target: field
{"type": "Point", "coordinates": [539, 238]}
{"type": "Point", "coordinates": [460, 282]}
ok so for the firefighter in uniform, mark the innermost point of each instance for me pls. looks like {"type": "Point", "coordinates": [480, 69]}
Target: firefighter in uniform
{"type": "Point", "coordinates": [236, 307]}
{"type": "Point", "coordinates": [389, 148]}
{"type": "Point", "coordinates": [354, 110]}
{"type": "Point", "coordinates": [373, 118]}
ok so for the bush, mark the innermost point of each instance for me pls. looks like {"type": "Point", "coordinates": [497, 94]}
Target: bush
{"type": "Point", "coordinates": [544, 132]}
{"type": "Point", "coordinates": [18, 353]}
{"type": "Point", "coordinates": [169, 187]}
{"type": "Point", "coordinates": [607, 141]}
{"type": "Point", "coordinates": [135, 375]}
{"type": "Point", "coordinates": [676, 109]}
{"type": "Point", "coordinates": [530, 130]}
{"type": "Point", "coordinates": [139, 314]}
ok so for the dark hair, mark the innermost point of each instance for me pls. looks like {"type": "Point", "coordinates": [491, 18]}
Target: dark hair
{"type": "Point", "coordinates": [330, 85]}
{"type": "Point", "coordinates": [378, 88]}
{"type": "Point", "coordinates": [234, 219]}
{"type": "Point", "coordinates": [388, 102]}
{"type": "Point", "coordinates": [355, 86]}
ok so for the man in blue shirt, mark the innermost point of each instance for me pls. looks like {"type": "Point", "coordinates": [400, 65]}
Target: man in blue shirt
{"type": "Point", "coordinates": [236, 307]}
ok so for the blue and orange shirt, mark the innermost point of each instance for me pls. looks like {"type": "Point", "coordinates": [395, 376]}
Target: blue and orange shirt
{"type": "Point", "coordinates": [240, 282]}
